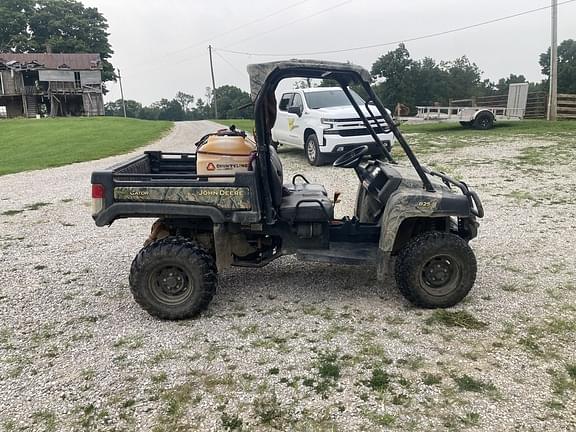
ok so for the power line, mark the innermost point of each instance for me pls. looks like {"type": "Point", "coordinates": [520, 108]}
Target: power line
{"type": "Point", "coordinates": [227, 32]}
{"type": "Point", "coordinates": [427, 36]}
{"type": "Point", "coordinates": [232, 65]}
{"type": "Point", "coordinates": [331, 8]}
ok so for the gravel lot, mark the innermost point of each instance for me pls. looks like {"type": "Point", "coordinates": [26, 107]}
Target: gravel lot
{"type": "Point", "coordinates": [293, 346]}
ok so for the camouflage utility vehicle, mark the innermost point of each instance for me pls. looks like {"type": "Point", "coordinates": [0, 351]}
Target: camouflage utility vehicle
{"type": "Point", "coordinates": [227, 204]}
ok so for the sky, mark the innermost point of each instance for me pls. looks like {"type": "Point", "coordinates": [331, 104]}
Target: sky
{"type": "Point", "coordinates": [161, 47]}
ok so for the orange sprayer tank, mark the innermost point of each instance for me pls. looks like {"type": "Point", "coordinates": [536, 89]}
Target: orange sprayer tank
{"type": "Point", "coordinates": [221, 155]}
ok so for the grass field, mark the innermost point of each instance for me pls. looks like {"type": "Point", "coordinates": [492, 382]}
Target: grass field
{"type": "Point", "coordinates": [36, 144]}
{"type": "Point", "coordinates": [244, 124]}
{"type": "Point", "coordinates": [526, 127]}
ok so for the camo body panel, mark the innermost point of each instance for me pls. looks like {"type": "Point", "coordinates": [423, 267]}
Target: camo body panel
{"type": "Point", "coordinates": [225, 198]}
{"type": "Point", "coordinates": [411, 201]}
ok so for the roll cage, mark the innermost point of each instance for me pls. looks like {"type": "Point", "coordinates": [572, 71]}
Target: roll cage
{"type": "Point", "coordinates": [264, 79]}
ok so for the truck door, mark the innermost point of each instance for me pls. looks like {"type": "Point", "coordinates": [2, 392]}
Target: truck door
{"type": "Point", "coordinates": [295, 122]}
{"type": "Point", "coordinates": [280, 130]}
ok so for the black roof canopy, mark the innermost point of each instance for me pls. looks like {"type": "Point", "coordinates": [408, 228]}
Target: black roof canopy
{"type": "Point", "coordinates": [297, 68]}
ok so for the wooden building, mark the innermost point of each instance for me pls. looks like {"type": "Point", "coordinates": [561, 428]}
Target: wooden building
{"type": "Point", "coordinates": [48, 84]}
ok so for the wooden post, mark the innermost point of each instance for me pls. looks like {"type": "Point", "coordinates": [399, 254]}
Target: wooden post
{"type": "Point", "coordinates": [553, 100]}
{"type": "Point", "coordinates": [213, 83]}
{"type": "Point", "coordinates": [122, 93]}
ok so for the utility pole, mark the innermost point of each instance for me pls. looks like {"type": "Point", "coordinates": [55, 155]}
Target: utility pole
{"type": "Point", "coordinates": [213, 83]}
{"type": "Point", "coordinates": [553, 97]}
{"type": "Point", "coordinates": [122, 93]}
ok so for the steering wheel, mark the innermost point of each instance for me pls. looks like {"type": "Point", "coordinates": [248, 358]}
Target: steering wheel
{"type": "Point", "coordinates": [352, 158]}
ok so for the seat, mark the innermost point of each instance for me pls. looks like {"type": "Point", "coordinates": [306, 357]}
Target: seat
{"type": "Point", "coordinates": [306, 203]}
{"type": "Point", "coordinates": [300, 202]}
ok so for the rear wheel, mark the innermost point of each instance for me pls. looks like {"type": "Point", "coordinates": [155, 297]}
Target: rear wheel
{"type": "Point", "coordinates": [173, 278]}
{"type": "Point", "coordinates": [484, 121]}
{"type": "Point", "coordinates": [435, 270]}
{"type": "Point", "coordinates": [312, 149]}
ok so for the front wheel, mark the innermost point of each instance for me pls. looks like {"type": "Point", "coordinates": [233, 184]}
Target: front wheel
{"type": "Point", "coordinates": [435, 270]}
{"type": "Point", "coordinates": [173, 278]}
{"type": "Point", "coordinates": [312, 149]}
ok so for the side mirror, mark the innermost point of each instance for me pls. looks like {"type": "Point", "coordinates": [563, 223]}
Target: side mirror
{"type": "Point", "coordinates": [295, 110]}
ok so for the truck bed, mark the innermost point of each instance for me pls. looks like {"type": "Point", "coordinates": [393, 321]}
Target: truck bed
{"type": "Point", "coordinates": [158, 184]}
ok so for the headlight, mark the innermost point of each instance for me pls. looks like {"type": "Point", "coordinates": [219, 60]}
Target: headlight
{"type": "Point", "coordinates": [327, 122]}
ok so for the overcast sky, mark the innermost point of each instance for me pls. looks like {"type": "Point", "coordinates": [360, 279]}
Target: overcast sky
{"type": "Point", "coordinates": [161, 46]}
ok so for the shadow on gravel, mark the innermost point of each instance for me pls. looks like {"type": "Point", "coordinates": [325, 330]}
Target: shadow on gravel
{"type": "Point", "coordinates": [304, 281]}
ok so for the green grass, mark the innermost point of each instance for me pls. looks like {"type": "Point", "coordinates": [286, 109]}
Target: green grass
{"type": "Point", "coordinates": [469, 384]}
{"type": "Point", "coordinates": [462, 319]}
{"type": "Point", "coordinates": [36, 144]}
{"type": "Point", "coordinates": [243, 124]}
{"type": "Point", "coordinates": [502, 128]}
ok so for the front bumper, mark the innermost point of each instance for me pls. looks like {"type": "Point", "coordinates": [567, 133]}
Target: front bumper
{"type": "Point", "coordinates": [336, 144]}
{"type": "Point", "coordinates": [374, 149]}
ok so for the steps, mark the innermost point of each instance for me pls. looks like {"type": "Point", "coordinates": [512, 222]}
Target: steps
{"type": "Point", "coordinates": [31, 106]}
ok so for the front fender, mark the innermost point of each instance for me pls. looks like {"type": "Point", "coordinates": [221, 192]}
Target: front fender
{"type": "Point", "coordinates": [406, 205]}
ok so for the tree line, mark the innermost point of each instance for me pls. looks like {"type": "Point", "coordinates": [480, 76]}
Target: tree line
{"type": "Point", "coordinates": [232, 102]}
{"type": "Point", "coordinates": [428, 82]}
{"type": "Point", "coordinates": [67, 26]}
{"type": "Point", "coordinates": [400, 79]}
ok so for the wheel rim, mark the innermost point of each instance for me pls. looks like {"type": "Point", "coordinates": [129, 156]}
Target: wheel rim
{"type": "Point", "coordinates": [485, 123]}
{"type": "Point", "coordinates": [170, 285]}
{"type": "Point", "coordinates": [440, 275]}
{"type": "Point", "coordinates": [311, 150]}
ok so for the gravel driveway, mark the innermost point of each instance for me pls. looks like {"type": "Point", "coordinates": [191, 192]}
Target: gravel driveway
{"type": "Point", "coordinates": [293, 346]}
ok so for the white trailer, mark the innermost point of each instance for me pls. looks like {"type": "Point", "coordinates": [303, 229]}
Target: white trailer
{"type": "Point", "coordinates": [481, 117]}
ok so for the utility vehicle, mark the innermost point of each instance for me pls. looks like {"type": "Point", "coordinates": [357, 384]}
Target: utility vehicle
{"type": "Point", "coordinates": [410, 221]}
{"type": "Point", "coordinates": [322, 121]}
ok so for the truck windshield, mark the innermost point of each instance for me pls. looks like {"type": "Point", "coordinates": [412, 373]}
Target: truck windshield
{"type": "Point", "coordinates": [330, 98]}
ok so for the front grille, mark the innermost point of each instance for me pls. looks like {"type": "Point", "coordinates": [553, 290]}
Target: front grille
{"type": "Point", "coordinates": [352, 132]}
{"type": "Point", "coordinates": [357, 119]}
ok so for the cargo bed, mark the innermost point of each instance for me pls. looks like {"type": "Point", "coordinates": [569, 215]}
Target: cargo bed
{"type": "Point", "coordinates": [158, 184]}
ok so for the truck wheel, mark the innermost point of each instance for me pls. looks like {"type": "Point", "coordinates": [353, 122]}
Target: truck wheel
{"type": "Point", "coordinates": [173, 278]}
{"type": "Point", "coordinates": [312, 150]}
{"type": "Point", "coordinates": [484, 121]}
{"type": "Point", "coordinates": [435, 270]}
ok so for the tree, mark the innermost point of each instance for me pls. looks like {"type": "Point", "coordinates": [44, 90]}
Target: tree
{"type": "Point", "coordinates": [566, 66]}
{"type": "Point", "coordinates": [431, 82]}
{"type": "Point", "coordinates": [64, 26]}
{"type": "Point", "coordinates": [115, 108]}
{"type": "Point", "coordinates": [230, 99]}
{"type": "Point", "coordinates": [13, 24]}
{"type": "Point", "coordinates": [186, 101]}
{"type": "Point", "coordinates": [396, 69]}
{"type": "Point", "coordinates": [202, 110]}
{"type": "Point", "coordinates": [503, 85]}
{"type": "Point", "coordinates": [169, 110]}
{"type": "Point", "coordinates": [464, 78]}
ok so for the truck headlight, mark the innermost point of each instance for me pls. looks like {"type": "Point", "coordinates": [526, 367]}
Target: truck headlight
{"type": "Point", "coordinates": [327, 122]}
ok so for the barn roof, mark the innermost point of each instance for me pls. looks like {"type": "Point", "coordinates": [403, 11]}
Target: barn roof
{"type": "Point", "coordinates": [55, 61]}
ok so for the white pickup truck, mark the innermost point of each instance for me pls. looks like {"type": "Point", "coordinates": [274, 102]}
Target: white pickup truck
{"type": "Point", "coordinates": [321, 120]}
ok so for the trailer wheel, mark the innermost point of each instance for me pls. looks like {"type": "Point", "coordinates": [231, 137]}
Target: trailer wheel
{"type": "Point", "coordinates": [173, 278]}
{"type": "Point", "coordinates": [484, 121]}
{"type": "Point", "coordinates": [466, 124]}
{"type": "Point", "coordinates": [435, 269]}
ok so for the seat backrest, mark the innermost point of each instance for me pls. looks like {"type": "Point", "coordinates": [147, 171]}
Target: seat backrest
{"type": "Point", "coordinates": [276, 177]}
